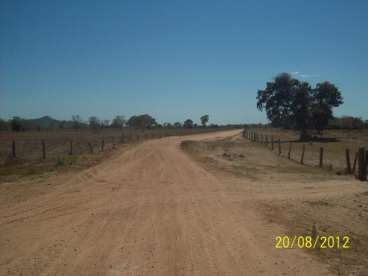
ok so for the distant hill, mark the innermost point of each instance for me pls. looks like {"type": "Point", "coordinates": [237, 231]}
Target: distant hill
{"type": "Point", "coordinates": [44, 122]}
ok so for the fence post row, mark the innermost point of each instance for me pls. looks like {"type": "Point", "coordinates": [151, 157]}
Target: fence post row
{"type": "Point", "coordinates": [360, 158]}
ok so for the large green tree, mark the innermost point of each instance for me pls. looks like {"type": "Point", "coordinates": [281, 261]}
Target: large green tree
{"type": "Point", "coordinates": [324, 97]}
{"type": "Point", "coordinates": [290, 103]}
{"type": "Point", "coordinates": [301, 113]}
{"type": "Point", "coordinates": [277, 99]}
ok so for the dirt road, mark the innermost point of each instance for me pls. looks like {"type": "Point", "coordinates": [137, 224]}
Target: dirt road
{"type": "Point", "coordinates": [148, 211]}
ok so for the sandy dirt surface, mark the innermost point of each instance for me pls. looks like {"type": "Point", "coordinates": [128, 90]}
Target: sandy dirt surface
{"type": "Point", "coordinates": [305, 200]}
{"type": "Point", "coordinates": [151, 210]}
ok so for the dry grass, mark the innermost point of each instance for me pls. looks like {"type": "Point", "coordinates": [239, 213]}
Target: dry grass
{"type": "Point", "coordinates": [297, 197]}
{"type": "Point", "coordinates": [29, 161]}
{"type": "Point", "coordinates": [332, 216]}
{"type": "Point", "coordinates": [334, 152]}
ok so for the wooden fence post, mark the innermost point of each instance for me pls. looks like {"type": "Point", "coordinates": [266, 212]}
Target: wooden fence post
{"type": "Point", "coordinates": [354, 163]}
{"type": "Point", "coordinates": [113, 142]}
{"type": "Point", "coordinates": [102, 144]}
{"type": "Point", "coordinates": [71, 148]}
{"type": "Point", "coordinates": [90, 147]}
{"type": "Point", "coordinates": [13, 149]}
{"type": "Point", "coordinates": [289, 152]}
{"type": "Point", "coordinates": [321, 157]}
{"type": "Point", "coordinates": [122, 138]}
{"type": "Point", "coordinates": [272, 146]}
{"type": "Point", "coordinates": [302, 156]}
{"type": "Point", "coordinates": [279, 143]}
{"type": "Point", "coordinates": [43, 149]}
{"type": "Point", "coordinates": [348, 165]}
{"type": "Point", "coordinates": [362, 169]}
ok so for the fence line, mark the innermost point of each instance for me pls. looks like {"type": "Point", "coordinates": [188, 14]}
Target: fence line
{"type": "Point", "coordinates": [75, 143]}
{"type": "Point", "coordinates": [360, 157]}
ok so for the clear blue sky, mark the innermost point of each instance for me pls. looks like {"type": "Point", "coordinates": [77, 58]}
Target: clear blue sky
{"type": "Point", "coordinates": [175, 59]}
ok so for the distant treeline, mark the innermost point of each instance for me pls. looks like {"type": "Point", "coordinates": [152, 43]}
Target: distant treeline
{"type": "Point", "coordinates": [143, 121]}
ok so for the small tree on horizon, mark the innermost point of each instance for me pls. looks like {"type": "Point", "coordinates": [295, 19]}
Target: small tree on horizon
{"type": "Point", "coordinates": [204, 120]}
{"type": "Point", "coordinates": [118, 122]}
{"type": "Point", "coordinates": [4, 125]}
{"type": "Point", "coordinates": [94, 122]}
{"type": "Point", "coordinates": [188, 123]}
{"type": "Point", "coordinates": [142, 121]}
{"type": "Point", "coordinates": [177, 124]}
{"type": "Point", "coordinates": [16, 124]}
{"type": "Point", "coordinates": [77, 121]}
